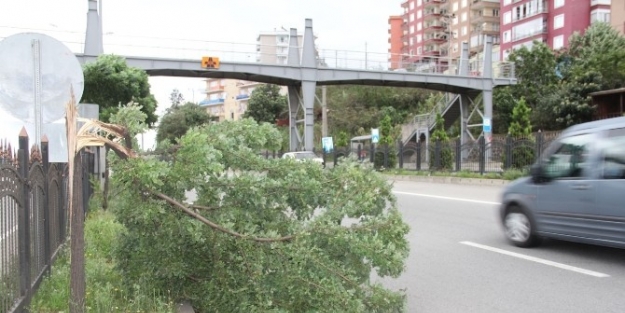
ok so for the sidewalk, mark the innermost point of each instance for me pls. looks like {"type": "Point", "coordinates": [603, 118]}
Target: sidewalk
{"type": "Point", "coordinates": [449, 180]}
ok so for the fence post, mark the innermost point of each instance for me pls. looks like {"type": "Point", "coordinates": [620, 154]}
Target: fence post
{"type": "Point", "coordinates": [386, 152]}
{"type": "Point", "coordinates": [458, 155]}
{"type": "Point", "coordinates": [508, 153]}
{"type": "Point", "coordinates": [336, 157]}
{"type": "Point", "coordinates": [323, 155]}
{"type": "Point", "coordinates": [24, 217]}
{"type": "Point", "coordinates": [437, 155]}
{"type": "Point", "coordinates": [418, 165]}
{"type": "Point", "coordinates": [482, 144]}
{"type": "Point", "coordinates": [372, 154]}
{"type": "Point", "coordinates": [360, 158]}
{"type": "Point", "coordinates": [401, 154]}
{"type": "Point", "coordinates": [539, 145]}
{"type": "Point", "coordinates": [47, 249]}
{"type": "Point", "coordinates": [266, 154]}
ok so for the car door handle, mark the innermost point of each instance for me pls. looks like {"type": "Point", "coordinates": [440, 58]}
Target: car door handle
{"type": "Point", "coordinates": [580, 187]}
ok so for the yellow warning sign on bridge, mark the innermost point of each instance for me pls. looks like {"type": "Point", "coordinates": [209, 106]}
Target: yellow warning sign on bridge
{"type": "Point", "coordinates": [210, 62]}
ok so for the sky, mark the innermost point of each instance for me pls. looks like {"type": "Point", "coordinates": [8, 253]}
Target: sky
{"type": "Point", "coordinates": [193, 28]}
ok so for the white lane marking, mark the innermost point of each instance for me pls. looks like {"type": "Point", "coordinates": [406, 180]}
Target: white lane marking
{"type": "Point", "coordinates": [537, 260]}
{"type": "Point", "coordinates": [445, 198]}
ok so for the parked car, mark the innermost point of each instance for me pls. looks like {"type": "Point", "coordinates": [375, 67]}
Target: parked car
{"type": "Point", "coordinates": [304, 155]}
{"type": "Point", "coordinates": [575, 190]}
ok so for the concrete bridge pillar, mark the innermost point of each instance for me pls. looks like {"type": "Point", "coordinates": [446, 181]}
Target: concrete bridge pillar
{"type": "Point", "coordinates": [94, 45]}
{"type": "Point", "coordinates": [309, 84]}
{"type": "Point", "coordinates": [295, 139]}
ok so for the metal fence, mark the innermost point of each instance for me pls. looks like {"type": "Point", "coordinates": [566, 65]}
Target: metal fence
{"type": "Point", "coordinates": [500, 154]}
{"type": "Point", "coordinates": [33, 218]}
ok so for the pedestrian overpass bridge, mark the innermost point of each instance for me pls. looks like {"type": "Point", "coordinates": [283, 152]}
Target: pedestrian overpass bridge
{"type": "Point", "coordinates": [305, 69]}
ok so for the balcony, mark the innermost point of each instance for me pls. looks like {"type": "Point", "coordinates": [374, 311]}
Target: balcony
{"type": "Point", "coordinates": [433, 3]}
{"type": "Point", "coordinates": [481, 4]}
{"type": "Point", "coordinates": [435, 38]}
{"type": "Point", "coordinates": [207, 102]}
{"type": "Point", "coordinates": [529, 34]}
{"type": "Point", "coordinates": [484, 16]}
{"type": "Point", "coordinates": [543, 10]}
{"type": "Point", "coordinates": [434, 26]}
{"type": "Point", "coordinates": [476, 43]}
{"type": "Point", "coordinates": [486, 28]}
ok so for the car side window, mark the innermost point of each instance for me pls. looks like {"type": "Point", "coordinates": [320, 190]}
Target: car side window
{"type": "Point", "coordinates": [613, 154]}
{"type": "Point", "coordinates": [568, 161]}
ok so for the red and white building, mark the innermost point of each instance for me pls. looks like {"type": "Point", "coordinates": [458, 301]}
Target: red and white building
{"type": "Point", "coordinates": [549, 21]}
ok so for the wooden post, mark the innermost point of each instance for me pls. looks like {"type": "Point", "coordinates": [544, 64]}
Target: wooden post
{"type": "Point", "coordinates": [77, 241]}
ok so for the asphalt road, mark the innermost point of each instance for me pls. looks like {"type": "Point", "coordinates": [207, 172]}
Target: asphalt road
{"type": "Point", "coordinates": [461, 262]}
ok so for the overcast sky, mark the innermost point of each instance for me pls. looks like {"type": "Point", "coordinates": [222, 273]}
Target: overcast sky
{"type": "Point", "coordinates": [192, 28]}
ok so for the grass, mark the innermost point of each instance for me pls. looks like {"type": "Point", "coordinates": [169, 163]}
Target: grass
{"type": "Point", "coordinates": [105, 292]}
{"type": "Point", "coordinates": [506, 175]}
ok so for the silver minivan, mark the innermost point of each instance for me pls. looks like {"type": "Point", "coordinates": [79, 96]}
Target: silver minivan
{"type": "Point", "coordinates": [576, 190]}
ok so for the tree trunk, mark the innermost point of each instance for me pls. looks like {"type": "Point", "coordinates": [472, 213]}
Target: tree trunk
{"type": "Point", "coordinates": [105, 191]}
{"type": "Point", "coordinates": [77, 241]}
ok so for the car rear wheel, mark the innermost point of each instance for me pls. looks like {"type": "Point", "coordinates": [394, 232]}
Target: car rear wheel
{"type": "Point", "coordinates": [519, 228]}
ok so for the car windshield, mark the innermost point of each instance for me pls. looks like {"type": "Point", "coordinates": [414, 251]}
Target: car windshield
{"type": "Point", "coordinates": [305, 155]}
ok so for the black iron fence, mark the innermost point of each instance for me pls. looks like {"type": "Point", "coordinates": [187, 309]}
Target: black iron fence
{"type": "Point", "coordinates": [480, 156]}
{"type": "Point", "coordinates": [33, 218]}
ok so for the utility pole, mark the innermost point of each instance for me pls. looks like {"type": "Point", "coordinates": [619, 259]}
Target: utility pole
{"type": "Point", "coordinates": [366, 65]}
{"type": "Point", "coordinates": [324, 113]}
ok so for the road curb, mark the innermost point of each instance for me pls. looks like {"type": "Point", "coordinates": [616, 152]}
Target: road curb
{"type": "Point", "coordinates": [449, 180]}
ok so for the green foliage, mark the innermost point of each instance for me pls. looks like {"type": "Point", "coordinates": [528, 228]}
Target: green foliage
{"type": "Point", "coordinates": [325, 267]}
{"type": "Point", "coordinates": [342, 139]}
{"type": "Point", "coordinates": [440, 136]}
{"type": "Point", "coordinates": [520, 129]}
{"type": "Point", "coordinates": [111, 83]}
{"type": "Point", "coordinates": [601, 49]}
{"type": "Point", "coordinates": [386, 145]}
{"type": "Point", "coordinates": [266, 104]}
{"type": "Point", "coordinates": [520, 125]}
{"type": "Point", "coordinates": [178, 120]}
{"type": "Point", "coordinates": [105, 290]}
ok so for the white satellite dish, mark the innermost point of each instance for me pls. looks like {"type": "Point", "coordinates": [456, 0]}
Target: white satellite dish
{"type": "Point", "coordinates": [58, 67]}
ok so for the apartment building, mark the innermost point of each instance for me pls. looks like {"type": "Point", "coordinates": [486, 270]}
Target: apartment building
{"type": "Point", "coordinates": [395, 31]}
{"type": "Point", "coordinates": [552, 22]}
{"type": "Point", "coordinates": [437, 28]}
{"type": "Point", "coordinates": [616, 15]}
{"type": "Point", "coordinates": [272, 47]}
{"type": "Point", "coordinates": [227, 99]}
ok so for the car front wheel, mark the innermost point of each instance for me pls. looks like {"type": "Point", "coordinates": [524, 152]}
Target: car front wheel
{"type": "Point", "coordinates": [519, 228]}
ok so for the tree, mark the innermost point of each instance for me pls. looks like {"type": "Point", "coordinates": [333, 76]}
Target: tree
{"type": "Point", "coordinates": [600, 49]}
{"type": "Point", "coordinates": [179, 120]}
{"type": "Point", "coordinates": [266, 104]}
{"type": "Point", "coordinates": [176, 98]}
{"type": "Point", "coordinates": [253, 240]}
{"type": "Point", "coordinates": [342, 139]}
{"type": "Point", "coordinates": [440, 138]}
{"type": "Point", "coordinates": [521, 129]}
{"type": "Point", "coordinates": [111, 83]}
{"type": "Point", "coordinates": [386, 145]}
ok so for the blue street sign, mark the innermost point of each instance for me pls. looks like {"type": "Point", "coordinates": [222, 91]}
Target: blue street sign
{"type": "Point", "coordinates": [375, 135]}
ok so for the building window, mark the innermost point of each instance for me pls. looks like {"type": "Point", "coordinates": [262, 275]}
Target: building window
{"type": "Point", "coordinates": [419, 26]}
{"type": "Point", "coordinates": [558, 21]}
{"type": "Point", "coordinates": [558, 3]}
{"type": "Point", "coordinates": [410, 40]}
{"type": "Point", "coordinates": [419, 50]}
{"type": "Point", "coordinates": [506, 36]}
{"type": "Point", "coordinates": [464, 3]}
{"type": "Point", "coordinates": [419, 38]}
{"type": "Point", "coordinates": [411, 5]}
{"type": "Point", "coordinates": [507, 17]}
{"type": "Point", "coordinates": [412, 29]}
{"type": "Point", "coordinates": [464, 16]}
{"type": "Point", "coordinates": [419, 13]}
{"type": "Point", "coordinates": [464, 31]}
{"type": "Point", "coordinates": [506, 2]}
{"type": "Point", "coordinates": [528, 29]}
{"type": "Point", "coordinates": [455, 20]}
{"type": "Point", "coordinates": [495, 12]}
{"type": "Point", "coordinates": [411, 17]}
{"type": "Point", "coordinates": [558, 42]}
{"type": "Point", "coordinates": [455, 6]}
{"type": "Point", "coordinates": [419, 2]}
